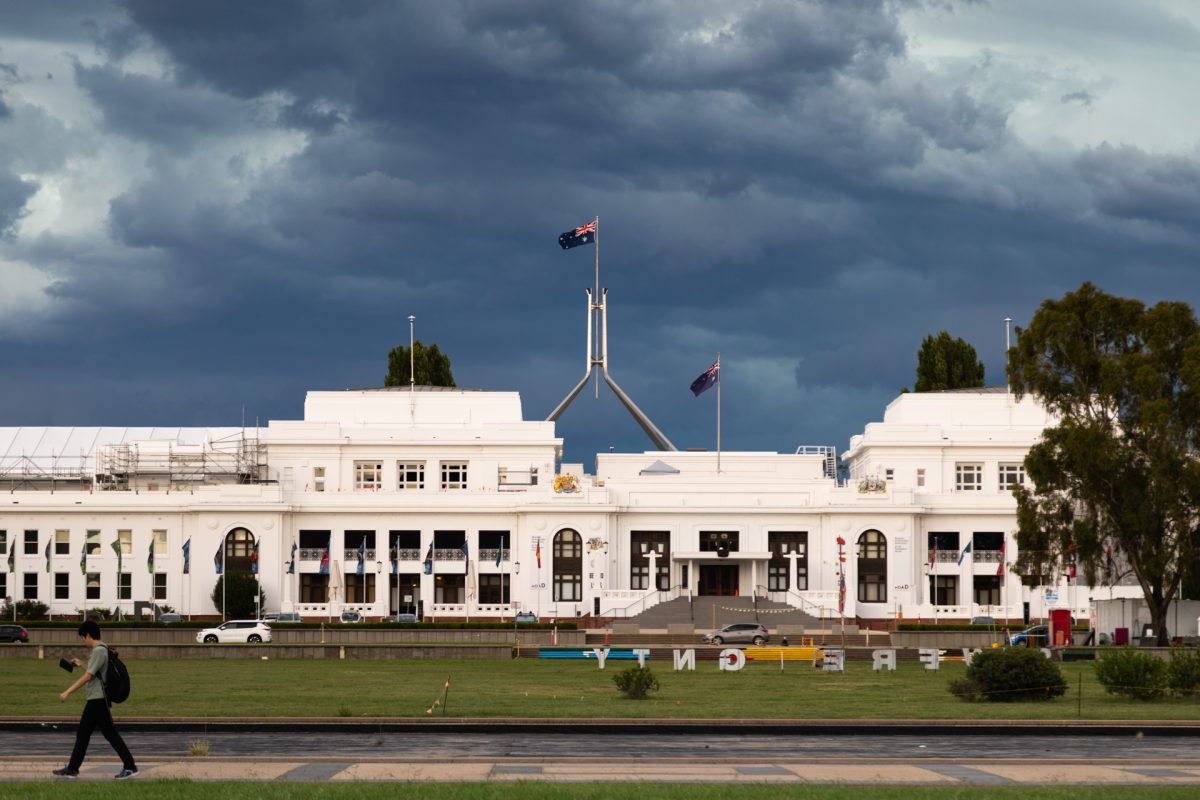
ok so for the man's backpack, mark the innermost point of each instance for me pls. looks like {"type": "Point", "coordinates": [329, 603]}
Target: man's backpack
{"type": "Point", "coordinates": [116, 679]}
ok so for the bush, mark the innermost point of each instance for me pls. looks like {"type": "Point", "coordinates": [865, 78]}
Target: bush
{"type": "Point", "coordinates": [26, 609]}
{"type": "Point", "coordinates": [239, 595]}
{"type": "Point", "coordinates": [965, 689]}
{"type": "Point", "coordinates": [1010, 674]}
{"type": "Point", "coordinates": [1131, 673]}
{"type": "Point", "coordinates": [636, 682]}
{"type": "Point", "coordinates": [1183, 671]}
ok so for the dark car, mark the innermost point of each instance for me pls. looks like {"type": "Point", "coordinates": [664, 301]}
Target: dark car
{"type": "Point", "coordinates": [13, 633]}
{"type": "Point", "coordinates": [1037, 636]}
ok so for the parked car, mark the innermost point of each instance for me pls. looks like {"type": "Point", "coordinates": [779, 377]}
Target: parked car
{"type": "Point", "coordinates": [403, 618]}
{"type": "Point", "coordinates": [169, 616]}
{"type": "Point", "coordinates": [351, 616]}
{"type": "Point", "coordinates": [14, 633]}
{"type": "Point", "coordinates": [288, 616]}
{"type": "Point", "coordinates": [739, 632]}
{"type": "Point", "coordinates": [526, 616]}
{"type": "Point", "coordinates": [1037, 636]}
{"type": "Point", "coordinates": [984, 621]}
{"type": "Point", "coordinates": [252, 631]}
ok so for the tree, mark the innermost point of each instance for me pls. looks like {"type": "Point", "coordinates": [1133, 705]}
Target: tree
{"type": "Point", "coordinates": [239, 595]}
{"type": "Point", "coordinates": [947, 363]}
{"type": "Point", "coordinates": [431, 365]}
{"type": "Point", "coordinates": [1117, 478]}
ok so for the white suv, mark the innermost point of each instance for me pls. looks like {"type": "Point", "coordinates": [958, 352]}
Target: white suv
{"type": "Point", "coordinates": [238, 630]}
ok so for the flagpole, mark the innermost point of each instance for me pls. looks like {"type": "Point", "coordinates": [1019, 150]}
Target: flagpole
{"type": "Point", "coordinates": [596, 300]}
{"type": "Point", "coordinates": [718, 412]}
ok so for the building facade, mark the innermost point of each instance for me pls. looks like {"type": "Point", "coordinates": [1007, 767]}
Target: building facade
{"type": "Point", "coordinates": [449, 504]}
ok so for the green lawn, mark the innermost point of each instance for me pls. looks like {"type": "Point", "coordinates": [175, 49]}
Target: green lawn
{"type": "Point", "coordinates": [151, 790]}
{"type": "Point", "coordinates": [550, 689]}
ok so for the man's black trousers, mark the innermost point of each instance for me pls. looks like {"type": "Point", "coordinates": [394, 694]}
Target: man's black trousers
{"type": "Point", "coordinates": [97, 715]}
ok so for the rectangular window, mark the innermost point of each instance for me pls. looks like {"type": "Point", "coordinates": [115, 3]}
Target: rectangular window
{"type": "Point", "coordinates": [318, 479]}
{"type": "Point", "coordinates": [3, 584]}
{"type": "Point", "coordinates": [493, 589]}
{"type": "Point", "coordinates": [945, 590]}
{"type": "Point", "coordinates": [454, 475]}
{"type": "Point", "coordinates": [639, 576]}
{"type": "Point", "coordinates": [1011, 476]}
{"type": "Point", "coordinates": [718, 541]}
{"type": "Point", "coordinates": [920, 476]}
{"type": "Point", "coordinates": [3, 543]}
{"type": "Point", "coordinates": [62, 586]}
{"type": "Point", "coordinates": [568, 587]}
{"type": "Point", "coordinates": [968, 477]}
{"type": "Point", "coordinates": [368, 475]}
{"type": "Point", "coordinates": [786, 547]}
{"type": "Point", "coordinates": [449, 589]}
{"type": "Point", "coordinates": [93, 542]}
{"type": "Point", "coordinates": [410, 475]}
{"type": "Point", "coordinates": [643, 544]}
{"type": "Point", "coordinates": [314, 588]}
{"type": "Point", "coordinates": [987, 590]}
{"type": "Point", "coordinates": [160, 586]}
{"type": "Point", "coordinates": [126, 540]}
{"type": "Point", "coordinates": [889, 474]}
{"type": "Point", "coordinates": [31, 586]}
{"type": "Point", "coordinates": [62, 543]}
{"type": "Point", "coordinates": [360, 588]}
{"type": "Point", "coordinates": [31, 538]}
{"type": "Point", "coordinates": [93, 586]}
{"type": "Point", "coordinates": [124, 586]}
{"type": "Point", "coordinates": [943, 546]}
{"type": "Point", "coordinates": [872, 588]}
{"type": "Point", "coordinates": [160, 543]}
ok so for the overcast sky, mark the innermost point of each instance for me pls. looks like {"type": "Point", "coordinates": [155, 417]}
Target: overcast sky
{"type": "Point", "coordinates": [211, 206]}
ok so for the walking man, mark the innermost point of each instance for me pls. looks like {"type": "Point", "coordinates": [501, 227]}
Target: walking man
{"type": "Point", "coordinates": [96, 713]}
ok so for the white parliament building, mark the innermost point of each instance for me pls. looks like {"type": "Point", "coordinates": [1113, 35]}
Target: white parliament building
{"type": "Point", "coordinates": [451, 504]}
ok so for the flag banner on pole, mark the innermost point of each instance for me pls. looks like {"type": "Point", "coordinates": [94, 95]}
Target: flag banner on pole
{"type": "Point", "coordinates": [1000, 569]}
{"type": "Point", "coordinates": [707, 379]}
{"type": "Point", "coordinates": [292, 563]}
{"type": "Point", "coordinates": [584, 234]}
{"type": "Point", "coordinates": [150, 558]}
{"type": "Point", "coordinates": [83, 560]}
{"type": "Point", "coordinates": [116, 546]}
{"type": "Point", "coordinates": [12, 557]}
{"type": "Point", "coordinates": [47, 556]}
{"type": "Point", "coordinates": [187, 556]}
{"type": "Point", "coordinates": [537, 552]}
{"type": "Point", "coordinates": [219, 558]}
{"type": "Point", "coordinates": [254, 557]}
{"type": "Point", "coordinates": [966, 551]}
{"type": "Point", "coordinates": [362, 555]}
{"type": "Point", "coordinates": [500, 551]}
{"type": "Point", "coordinates": [429, 560]}
{"type": "Point", "coordinates": [325, 562]}
{"type": "Point", "coordinates": [394, 556]}
{"type": "Point", "coordinates": [467, 558]}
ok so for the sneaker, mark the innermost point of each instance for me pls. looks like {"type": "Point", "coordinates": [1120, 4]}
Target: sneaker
{"type": "Point", "coordinates": [126, 773]}
{"type": "Point", "coordinates": [67, 772]}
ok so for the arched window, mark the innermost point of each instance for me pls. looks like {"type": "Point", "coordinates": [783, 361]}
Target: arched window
{"type": "Point", "coordinates": [568, 566]}
{"type": "Point", "coordinates": [872, 567]}
{"type": "Point", "coordinates": [239, 544]}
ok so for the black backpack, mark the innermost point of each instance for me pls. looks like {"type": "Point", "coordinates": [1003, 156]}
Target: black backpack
{"type": "Point", "coordinates": [116, 679]}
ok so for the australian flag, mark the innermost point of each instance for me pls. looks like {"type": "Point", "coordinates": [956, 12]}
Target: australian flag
{"type": "Point", "coordinates": [584, 234]}
{"type": "Point", "coordinates": [707, 378]}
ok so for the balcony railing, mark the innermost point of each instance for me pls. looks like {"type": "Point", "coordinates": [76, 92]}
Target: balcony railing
{"type": "Point", "coordinates": [352, 554]}
{"type": "Point", "coordinates": [989, 556]}
{"type": "Point", "coordinates": [489, 554]}
{"type": "Point", "coordinates": [408, 554]}
{"type": "Point", "coordinates": [450, 554]}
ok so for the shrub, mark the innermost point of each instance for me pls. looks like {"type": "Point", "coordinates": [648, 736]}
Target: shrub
{"type": "Point", "coordinates": [636, 682]}
{"type": "Point", "coordinates": [1131, 673]}
{"type": "Point", "coordinates": [1009, 674]}
{"type": "Point", "coordinates": [965, 689]}
{"type": "Point", "coordinates": [1183, 671]}
{"type": "Point", "coordinates": [26, 609]}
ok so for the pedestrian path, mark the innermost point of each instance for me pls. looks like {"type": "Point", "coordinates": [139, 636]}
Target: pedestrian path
{"type": "Point", "coordinates": [841, 771]}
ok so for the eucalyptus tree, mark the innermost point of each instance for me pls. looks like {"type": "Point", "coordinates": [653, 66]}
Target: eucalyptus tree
{"type": "Point", "coordinates": [430, 366]}
{"type": "Point", "coordinates": [1115, 479]}
{"type": "Point", "coordinates": [947, 362]}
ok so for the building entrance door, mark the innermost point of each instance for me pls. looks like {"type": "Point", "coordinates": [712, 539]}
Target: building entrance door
{"type": "Point", "coordinates": [718, 579]}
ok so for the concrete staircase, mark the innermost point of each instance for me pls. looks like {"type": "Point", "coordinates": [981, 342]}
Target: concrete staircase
{"type": "Point", "coordinates": [706, 613]}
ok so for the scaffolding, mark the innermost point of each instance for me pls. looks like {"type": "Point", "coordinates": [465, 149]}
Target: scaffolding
{"type": "Point", "coordinates": [152, 465]}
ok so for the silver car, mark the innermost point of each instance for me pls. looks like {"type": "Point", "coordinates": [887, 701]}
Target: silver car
{"type": "Point", "coordinates": [739, 632]}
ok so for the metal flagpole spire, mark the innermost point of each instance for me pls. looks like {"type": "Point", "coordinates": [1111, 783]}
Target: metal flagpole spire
{"type": "Point", "coordinates": [718, 412]}
{"type": "Point", "coordinates": [596, 299]}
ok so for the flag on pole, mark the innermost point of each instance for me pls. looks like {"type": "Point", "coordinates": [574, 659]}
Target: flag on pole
{"type": "Point", "coordinates": [707, 379]}
{"type": "Point", "coordinates": [584, 234]}
{"type": "Point", "coordinates": [467, 558]}
{"type": "Point", "coordinates": [362, 555]}
{"type": "Point", "coordinates": [292, 562]}
{"type": "Point", "coordinates": [537, 552]}
{"type": "Point", "coordinates": [324, 570]}
{"type": "Point", "coordinates": [47, 555]}
{"type": "Point", "coordinates": [1000, 569]}
{"type": "Point", "coordinates": [187, 556]}
{"type": "Point", "coordinates": [963, 555]}
{"type": "Point", "coordinates": [254, 557]}
{"type": "Point", "coordinates": [219, 558]}
{"type": "Point", "coordinates": [150, 557]}
{"type": "Point", "coordinates": [394, 555]}
{"type": "Point", "coordinates": [429, 560]}
{"type": "Point", "coordinates": [500, 551]}
{"type": "Point", "coordinates": [12, 557]}
{"type": "Point", "coordinates": [116, 546]}
{"type": "Point", "coordinates": [83, 560]}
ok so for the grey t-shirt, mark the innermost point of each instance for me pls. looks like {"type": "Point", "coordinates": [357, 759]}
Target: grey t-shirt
{"type": "Point", "coordinates": [97, 665]}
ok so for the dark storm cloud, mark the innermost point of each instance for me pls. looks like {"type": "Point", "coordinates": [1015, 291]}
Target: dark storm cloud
{"type": "Point", "coordinates": [14, 194]}
{"type": "Point", "coordinates": [776, 181]}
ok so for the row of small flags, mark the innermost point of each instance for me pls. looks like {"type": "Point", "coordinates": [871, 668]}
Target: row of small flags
{"type": "Point", "coordinates": [83, 554]}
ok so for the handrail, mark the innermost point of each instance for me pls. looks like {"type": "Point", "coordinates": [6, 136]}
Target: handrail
{"type": "Point", "coordinates": [673, 591]}
{"type": "Point", "coordinates": [818, 611]}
